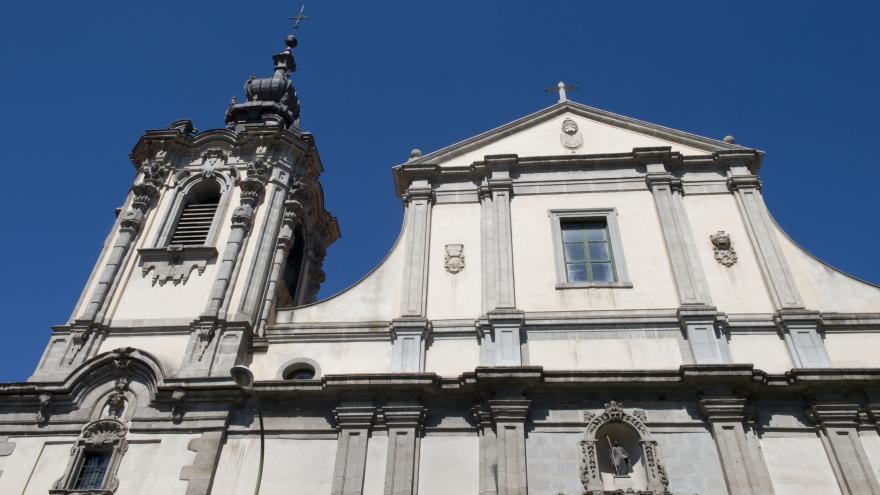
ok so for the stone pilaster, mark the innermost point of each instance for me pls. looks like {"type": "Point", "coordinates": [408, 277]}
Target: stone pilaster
{"type": "Point", "coordinates": [510, 416]}
{"type": "Point", "coordinates": [488, 450]}
{"type": "Point", "coordinates": [837, 423]}
{"type": "Point", "coordinates": [501, 332]}
{"type": "Point", "coordinates": [742, 473]}
{"type": "Point", "coordinates": [496, 235]}
{"type": "Point", "coordinates": [209, 333]}
{"type": "Point", "coordinates": [777, 274]}
{"type": "Point", "coordinates": [686, 269]}
{"type": "Point", "coordinates": [200, 474]}
{"type": "Point", "coordinates": [408, 339]}
{"type": "Point", "coordinates": [404, 421]}
{"type": "Point", "coordinates": [800, 332]}
{"type": "Point", "coordinates": [292, 215]}
{"type": "Point", "coordinates": [353, 420]}
{"type": "Point", "coordinates": [419, 198]}
{"type": "Point", "coordinates": [87, 332]}
{"type": "Point", "coordinates": [696, 313]}
{"type": "Point", "coordinates": [266, 243]}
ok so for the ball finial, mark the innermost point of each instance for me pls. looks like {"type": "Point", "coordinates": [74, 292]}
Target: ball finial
{"type": "Point", "coordinates": [290, 41]}
{"type": "Point", "coordinates": [415, 153]}
{"type": "Point", "coordinates": [729, 139]}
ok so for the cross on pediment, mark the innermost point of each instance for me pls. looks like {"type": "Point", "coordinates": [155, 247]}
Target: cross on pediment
{"type": "Point", "coordinates": [561, 88]}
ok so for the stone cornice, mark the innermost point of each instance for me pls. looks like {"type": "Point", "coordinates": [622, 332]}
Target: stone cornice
{"type": "Point", "coordinates": [482, 169]}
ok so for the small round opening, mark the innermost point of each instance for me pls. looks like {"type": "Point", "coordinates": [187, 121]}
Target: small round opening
{"type": "Point", "coordinates": [300, 372]}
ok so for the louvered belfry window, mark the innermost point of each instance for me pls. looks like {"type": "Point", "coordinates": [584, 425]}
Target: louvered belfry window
{"type": "Point", "coordinates": [194, 223]}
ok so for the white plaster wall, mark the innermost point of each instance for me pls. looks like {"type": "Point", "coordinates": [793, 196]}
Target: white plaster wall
{"type": "Point", "coordinates": [35, 464]}
{"type": "Point", "coordinates": [374, 472]}
{"type": "Point", "coordinates": [692, 463]}
{"type": "Point", "coordinates": [575, 352]}
{"type": "Point", "coordinates": [766, 352]}
{"type": "Point", "coordinates": [739, 288]}
{"type": "Point", "coordinates": [871, 443]}
{"type": "Point", "coordinates": [376, 297]}
{"type": "Point", "coordinates": [810, 474]}
{"type": "Point", "coordinates": [152, 464]}
{"type": "Point", "coordinates": [168, 349]}
{"type": "Point", "coordinates": [449, 464]}
{"type": "Point", "coordinates": [452, 357]}
{"type": "Point", "coordinates": [454, 295]}
{"type": "Point", "coordinates": [291, 466]}
{"type": "Point", "coordinates": [822, 287]}
{"type": "Point", "coordinates": [332, 357]}
{"type": "Point", "coordinates": [643, 246]}
{"type": "Point", "coordinates": [853, 350]}
{"type": "Point", "coordinates": [543, 139]}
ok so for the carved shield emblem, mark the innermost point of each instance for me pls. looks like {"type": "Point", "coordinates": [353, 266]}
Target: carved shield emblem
{"type": "Point", "coordinates": [571, 136]}
{"type": "Point", "coordinates": [454, 258]}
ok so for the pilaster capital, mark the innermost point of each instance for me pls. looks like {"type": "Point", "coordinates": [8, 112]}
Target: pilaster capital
{"type": "Point", "coordinates": [834, 414]}
{"type": "Point", "coordinates": [789, 318]}
{"type": "Point", "coordinates": [743, 182]}
{"type": "Point", "coordinates": [419, 190]}
{"type": "Point", "coordinates": [510, 410]}
{"type": "Point", "coordinates": [660, 180]}
{"type": "Point", "coordinates": [725, 410]}
{"type": "Point", "coordinates": [410, 326]}
{"type": "Point", "coordinates": [404, 415]}
{"type": "Point", "coordinates": [354, 415]}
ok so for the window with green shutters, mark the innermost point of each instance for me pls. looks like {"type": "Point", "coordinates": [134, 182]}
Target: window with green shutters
{"type": "Point", "coordinates": [587, 251]}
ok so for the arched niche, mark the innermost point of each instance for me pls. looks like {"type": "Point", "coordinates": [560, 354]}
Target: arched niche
{"type": "Point", "coordinates": [618, 453]}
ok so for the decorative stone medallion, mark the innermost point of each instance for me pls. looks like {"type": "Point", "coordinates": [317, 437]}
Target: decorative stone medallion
{"type": "Point", "coordinates": [724, 252]}
{"type": "Point", "coordinates": [571, 137]}
{"type": "Point", "coordinates": [454, 258]}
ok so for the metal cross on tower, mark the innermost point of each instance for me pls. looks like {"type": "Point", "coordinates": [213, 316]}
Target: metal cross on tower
{"type": "Point", "coordinates": [298, 18]}
{"type": "Point", "coordinates": [561, 88]}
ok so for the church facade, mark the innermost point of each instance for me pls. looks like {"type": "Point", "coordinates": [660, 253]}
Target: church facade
{"type": "Point", "coordinates": [578, 303]}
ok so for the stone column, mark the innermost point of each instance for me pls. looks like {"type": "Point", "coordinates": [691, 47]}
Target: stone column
{"type": "Point", "coordinates": [404, 421]}
{"type": "Point", "coordinates": [510, 416]}
{"type": "Point", "coordinates": [741, 471]}
{"type": "Point", "coordinates": [838, 427]}
{"type": "Point", "coordinates": [353, 420]}
{"type": "Point", "coordinates": [696, 313]}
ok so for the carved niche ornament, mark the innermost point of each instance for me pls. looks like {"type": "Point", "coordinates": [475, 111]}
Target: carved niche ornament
{"type": "Point", "coordinates": [454, 258]}
{"type": "Point", "coordinates": [724, 252]}
{"type": "Point", "coordinates": [571, 136]}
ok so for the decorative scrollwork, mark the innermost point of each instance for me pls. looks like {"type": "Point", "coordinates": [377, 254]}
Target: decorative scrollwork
{"type": "Point", "coordinates": [724, 252]}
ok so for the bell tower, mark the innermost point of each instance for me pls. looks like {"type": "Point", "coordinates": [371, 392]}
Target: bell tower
{"type": "Point", "coordinates": [219, 229]}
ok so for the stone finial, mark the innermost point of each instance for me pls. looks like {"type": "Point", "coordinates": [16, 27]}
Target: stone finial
{"type": "Point", "coordinates": [415, 153]}
{"type": "Point", "coordinates": [729, 139]}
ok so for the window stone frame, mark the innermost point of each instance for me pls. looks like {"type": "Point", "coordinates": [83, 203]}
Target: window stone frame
{"type": "Point", "coordinates": [609, 216]}
{"type": "Point", "coordinates": [104, 434]}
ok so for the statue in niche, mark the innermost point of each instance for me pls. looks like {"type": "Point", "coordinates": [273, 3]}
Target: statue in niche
{"type": "Point", "coordinates": [619, 457]}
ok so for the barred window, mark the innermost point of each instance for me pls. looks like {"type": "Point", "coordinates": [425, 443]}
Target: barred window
{"type": "Point", "coordinates": [92, 470]}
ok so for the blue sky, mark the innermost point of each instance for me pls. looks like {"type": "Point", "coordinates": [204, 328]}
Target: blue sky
{"type": "Point", "coordinates": [82, 80]}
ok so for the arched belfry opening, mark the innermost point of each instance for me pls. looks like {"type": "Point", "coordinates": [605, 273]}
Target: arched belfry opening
{"type": "Point", "coordinates": [289, 291]}
{"type": "Point", "coordinates": [196, 218]}
{"type": "Point", "coordinates": [618, 453]}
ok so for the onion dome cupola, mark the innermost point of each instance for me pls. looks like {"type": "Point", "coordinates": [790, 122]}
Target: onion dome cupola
{"type": "Point", "coordinates": [271, 101]}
